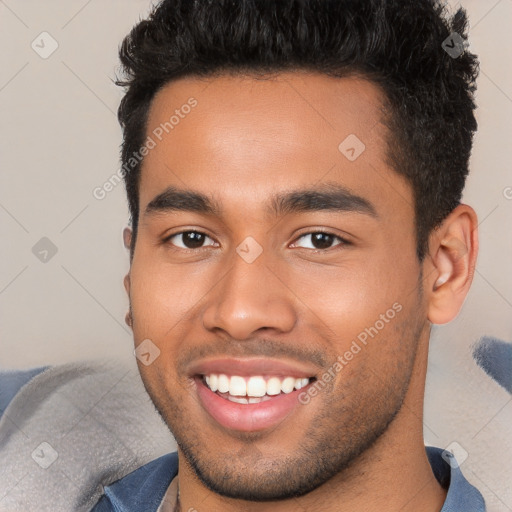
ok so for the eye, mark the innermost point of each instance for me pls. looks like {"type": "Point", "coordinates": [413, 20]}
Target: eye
{"type": "Point", "coordinates": [319, 240]}
{"type": "Point", "coordinates": [188, 239]}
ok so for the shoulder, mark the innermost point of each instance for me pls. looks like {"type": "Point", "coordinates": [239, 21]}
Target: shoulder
{"type": "Point", "coordinates": [461, 496]}
{"type": "Point", "coordinates": [142, 489]}
{"type": "Point", "coordinates": [11, 381]}
{"type": "Point", "coordinates": [84, 413]}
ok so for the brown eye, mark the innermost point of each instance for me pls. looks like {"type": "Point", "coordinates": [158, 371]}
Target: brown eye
{"type": "Point", "coordinates": [321, 241]}
{"type": "Point", "coordinates": [189, 239]}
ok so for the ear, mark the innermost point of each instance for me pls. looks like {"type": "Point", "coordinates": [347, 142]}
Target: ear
{"type": "Point", "coordinates": [450, 266]}
{"type": "Point", "coordinates": [126, 282]}
{"type": "Point", "coordinates": [127, 239]}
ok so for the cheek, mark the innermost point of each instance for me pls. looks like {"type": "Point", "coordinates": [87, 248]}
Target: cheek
{"type": "Point", "coordinates": [351, 296]}
{"type": "Point", "coordinates": [161, 296]}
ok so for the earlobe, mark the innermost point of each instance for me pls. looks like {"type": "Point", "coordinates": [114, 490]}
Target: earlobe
{"type": "Point", "coordinates": [127, 237]}
{"type": "Point", "coordinates": [453, 251]}
{"type": "Point", "coordinates": [126, 282]}
{"type": "Point", "coordinates": [128, 317]}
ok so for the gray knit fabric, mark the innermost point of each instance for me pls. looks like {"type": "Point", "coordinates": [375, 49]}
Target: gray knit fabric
{"type": "Point", "coordinates": [73, 429]}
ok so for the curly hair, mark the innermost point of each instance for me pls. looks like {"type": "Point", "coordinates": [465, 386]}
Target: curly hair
{"type": "Point", "coordinates": [395, 44]}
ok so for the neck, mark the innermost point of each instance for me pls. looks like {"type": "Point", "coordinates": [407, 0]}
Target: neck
{"type": "Point", "coordinates": [393, 474]}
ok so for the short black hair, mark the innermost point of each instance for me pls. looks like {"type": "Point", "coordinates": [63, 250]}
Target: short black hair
{"type": "Point", "coordinates": [400, 45]}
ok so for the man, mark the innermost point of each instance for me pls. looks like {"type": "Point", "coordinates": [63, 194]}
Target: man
{"type": "Point", "coordinates": [294, 173]}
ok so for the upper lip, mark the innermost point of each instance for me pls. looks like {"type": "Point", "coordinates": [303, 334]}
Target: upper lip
{"type": "Point", "coordinates": [246, 367]}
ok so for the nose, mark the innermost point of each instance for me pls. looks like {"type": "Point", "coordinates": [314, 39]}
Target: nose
{"type": "Point", "coordinates": [250, 297]}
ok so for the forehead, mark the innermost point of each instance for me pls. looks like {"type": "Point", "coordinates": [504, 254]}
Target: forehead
{"type": "Point", "coordinates": [286, 105]}
{"type": "Point", "coordinates": [240, 136]}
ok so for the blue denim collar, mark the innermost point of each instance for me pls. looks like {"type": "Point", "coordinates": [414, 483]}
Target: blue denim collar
{"type": "Point", "coordinates": [462, 496]}
{"type": "Point", "coordinates": [145, 488]}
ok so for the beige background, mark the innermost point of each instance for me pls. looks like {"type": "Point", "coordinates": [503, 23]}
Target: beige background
{"type": "Point", "coordinates": [59, 140]}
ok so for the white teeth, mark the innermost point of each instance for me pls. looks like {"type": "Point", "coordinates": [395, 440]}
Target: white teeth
{"type": "Point", "coordinates": [253, 387]}
{"type": "Point", "coordinates": [299, 383]}
{"type": "Point", "coordinates": [237, 399]}
{"type": "Point", "coordinates": [237, 386]}
{"type": "Point", "coordinates": [223, 383]}
{"type": "Point", "coordinates": [256, 387]}
{"type": "Point", "coordinates": [273, 386]}
{"type": "Point", "coordinates": [245, 400]}
{"type": "Point", "coordinates": [214, 382]}
{"type": "Point", "coordinates": [287, 385]}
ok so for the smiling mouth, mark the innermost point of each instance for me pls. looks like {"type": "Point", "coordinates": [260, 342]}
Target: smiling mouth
{"type": "Point", "coordinates": [252, 389]}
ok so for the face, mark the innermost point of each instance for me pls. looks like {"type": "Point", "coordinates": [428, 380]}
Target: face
{"type": "Point", "coordinates": [275, 271]}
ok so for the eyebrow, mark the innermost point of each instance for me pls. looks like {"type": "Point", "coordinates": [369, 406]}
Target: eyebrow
{"type": "Point", "coordinates": [325, 197]}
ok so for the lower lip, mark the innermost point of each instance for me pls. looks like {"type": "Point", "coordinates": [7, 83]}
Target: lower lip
{"type": "Point", "coordinates": [247, 417]}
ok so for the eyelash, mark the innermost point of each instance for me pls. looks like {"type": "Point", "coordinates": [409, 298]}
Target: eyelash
{"type": "Point", "coordinates": [342, 241]}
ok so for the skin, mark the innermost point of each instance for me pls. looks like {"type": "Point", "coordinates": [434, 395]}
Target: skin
{"type": "Point", "coordinates": [359, 442]}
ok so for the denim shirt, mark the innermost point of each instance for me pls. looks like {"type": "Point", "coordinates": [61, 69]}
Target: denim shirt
{"type": "Point", "coordinates": [145, 488]}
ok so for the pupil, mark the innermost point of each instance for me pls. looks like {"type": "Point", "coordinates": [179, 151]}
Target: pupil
{"type": "Point", "coordinates": [193, 240]}
{"type": "Point", "coordinates": [322, 240]}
